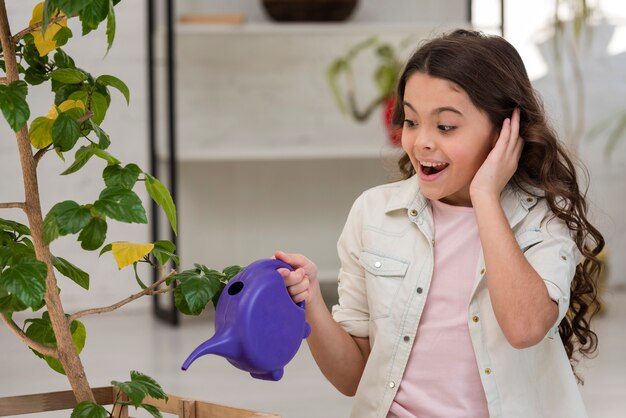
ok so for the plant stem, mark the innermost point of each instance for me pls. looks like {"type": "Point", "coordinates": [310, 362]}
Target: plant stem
{"type": "Point", "coordinates": [43, 349]}
{"type": "Point", "coordinates": [67, 355]}
{"type": "Point", "coordinates": [13, 205]}
{"type": "Point", "coordinates": [18, 36]}
{"type": "Point", "coordinates": [151, 290]}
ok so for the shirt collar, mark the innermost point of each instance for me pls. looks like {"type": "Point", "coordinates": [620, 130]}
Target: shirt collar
{"type": "Point", "coordinates": [406, 196]}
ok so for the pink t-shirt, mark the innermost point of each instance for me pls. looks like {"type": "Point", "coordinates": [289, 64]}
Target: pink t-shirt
{"type": "Point", "coordinates": [441, 378]}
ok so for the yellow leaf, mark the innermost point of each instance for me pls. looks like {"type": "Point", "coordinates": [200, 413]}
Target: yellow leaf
{"type": "Point", "coordinates": [41, 132]}
{"type": "Point", "coordinates": [44, 42]}
{"type": "Point", "coordinates": [126, 253]}
{"type": "Point", "coordinates": [53, 113]}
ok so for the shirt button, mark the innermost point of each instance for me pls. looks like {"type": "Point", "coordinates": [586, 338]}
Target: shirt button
{"type": "Point", "coordinates": [407, 338]}
{"type": "Point", "coordinates": [392, 385]}
{"type": "Point", "coordinates": [563, 257]}
{"type": "Point", "coordinates": [419, 290]}
{"type": "Point", "coordinates": [413, 212]}
{"type": "Point", "coordinates": [482, 271]}
{"type": "Point", "coordinates": [530, 199]}
{"type": "Point", "coordinates": [378, 264]}
{"type": "Point", "coordinates": [487, 370]}
{"type": "Point", "coordinates": [475, 318]}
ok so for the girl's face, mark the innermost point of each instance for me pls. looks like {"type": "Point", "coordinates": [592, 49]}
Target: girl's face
{"type": "Point", "coordinates": [446, 137]}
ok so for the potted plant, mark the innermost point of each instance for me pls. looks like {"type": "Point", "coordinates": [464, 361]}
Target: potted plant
{"type": "Point", "coordinates": [28, 268]}
{"type": "Point", "coordinates": [341, 80]}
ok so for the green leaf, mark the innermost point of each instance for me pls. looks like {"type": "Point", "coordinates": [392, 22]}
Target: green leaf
{"type": "Point", "coordinates": [49, 7]}
{"type": "Point", "coordinates": [8, 225]}
{"type": "Point", "coordinates": [194, 291]}
{"type": "Point", "coordinates": [93, 235]}
{"type": "Point", "coordinates": [65, 131]}
{"type": "Point", "coordinates": [98, 105]}
{"type": "Point", "coordinates": [161, 195]}
{"type": "Point", "coordinates": [109, 80]}
{"type": "Point", "coordinates": [93, 13]}
{"type": "Point", "coordinates": [89, 410]}
{"type": "Point", "coordinates": [103, 137]}
{"type": "Point", "coordinates": [84, 154]}
{"type": "Point", "coordinates": [41, 331]}
{"type": "Point", "coordinates": [153, 410]}
{"type": "Point", "coordinates": [62, 60]}
{"type": "Point", "coordinates": [35, 75]}
{"type": "Point", "coordinates": [134, 392]}
{"type": "Point", "coordinates": [70, 7]}
{"type": "Point", "coordinates": [141, 284]}
{"type": "Point", "coordinates": [122, 205]}
{"type": "Point", "coordinates": [110, 25]}
{"type": "Point", "coordinates": [9, 303]}
{"type": "Point", "coordinates": [65, 218]}
{"type": "Point", "coordinates": [26, 280]}
{"type": "Point", "coordinates": [126, 177]}
{"type": "Point", "coordinates": [151, 387]}
{"type": "Point", "coordinates": [106, 249]}
{"type": "Point", "coordinates": [72, 272]}
{"type": "Point", "coordinates": [62, 36]}
{"type": "Point", "coordinates": [231, 271]}
{"type": "Point", "coordinates": [13, 104]}
{"type": "Point", "coordinates": [68, 75]}
{"type": "Point", "coordinates": [164, 251]}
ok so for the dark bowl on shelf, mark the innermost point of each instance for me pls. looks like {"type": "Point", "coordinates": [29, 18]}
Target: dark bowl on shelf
{"type": "Point", "coordinates": [309, 10]}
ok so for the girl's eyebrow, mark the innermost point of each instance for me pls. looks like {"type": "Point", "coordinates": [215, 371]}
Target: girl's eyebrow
{"type": "Point", "coordinates": [437, 110]}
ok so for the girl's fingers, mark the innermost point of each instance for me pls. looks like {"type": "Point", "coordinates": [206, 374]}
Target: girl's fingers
{"type": "Point", "coordinates": [514, 126]}
{"type": "Point", "coordinates": [299, 287]}
{"type": "Point", "coordinates": [292, 278]}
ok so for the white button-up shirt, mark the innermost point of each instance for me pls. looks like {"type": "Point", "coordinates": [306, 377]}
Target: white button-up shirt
{"type": "Point", "coordinates": [386, 253]}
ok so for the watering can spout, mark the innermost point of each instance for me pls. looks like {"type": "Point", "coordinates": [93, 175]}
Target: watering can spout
{"type": "Point", "coordinates": [221, 344]}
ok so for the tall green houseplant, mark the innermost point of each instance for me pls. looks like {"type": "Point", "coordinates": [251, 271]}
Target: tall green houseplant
{"type": "Point", "coordinates": [28, 270]}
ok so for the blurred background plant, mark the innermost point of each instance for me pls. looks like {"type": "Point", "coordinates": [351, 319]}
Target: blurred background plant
{"type": "Point", "coordinates": [341, 80]}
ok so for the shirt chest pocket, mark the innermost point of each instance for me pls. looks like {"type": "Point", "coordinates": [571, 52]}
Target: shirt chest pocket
{"type": "Point", "coordinates": [528, 238]}
{"type": "Point", "coordinates": [383, 278]}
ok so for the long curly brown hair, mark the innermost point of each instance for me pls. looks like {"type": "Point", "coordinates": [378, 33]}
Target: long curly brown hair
{"type": "Point", "coordinates": [492, 73]}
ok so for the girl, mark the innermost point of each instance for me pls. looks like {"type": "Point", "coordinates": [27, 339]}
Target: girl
{"type": "Point", "coordinates": [456, 283]}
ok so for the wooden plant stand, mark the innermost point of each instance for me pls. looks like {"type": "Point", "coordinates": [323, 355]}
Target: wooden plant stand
{"type": "Point", "coordinates": [176, 405]}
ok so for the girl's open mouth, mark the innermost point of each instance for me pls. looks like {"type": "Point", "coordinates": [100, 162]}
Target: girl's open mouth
{"type": "Point", "coordinates": [429, 170]}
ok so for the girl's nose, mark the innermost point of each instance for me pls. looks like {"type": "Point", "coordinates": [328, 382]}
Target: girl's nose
{"type": "Point", "coordinates": [424, 140]}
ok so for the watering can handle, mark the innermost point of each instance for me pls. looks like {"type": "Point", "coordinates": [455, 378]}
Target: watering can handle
{"type": "Point", "coordinates": [281, 264]}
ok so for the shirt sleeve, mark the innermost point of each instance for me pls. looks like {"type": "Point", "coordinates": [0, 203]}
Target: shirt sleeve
{"type": "Point", "coordinates": [555, 258]}
{"type": "Point", "coordinates": [352, 311]}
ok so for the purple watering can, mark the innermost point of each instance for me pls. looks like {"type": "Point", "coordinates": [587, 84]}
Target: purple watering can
{"type": "Point", "coordinates": [258, 327]}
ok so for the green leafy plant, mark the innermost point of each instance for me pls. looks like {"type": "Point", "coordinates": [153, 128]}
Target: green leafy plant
{"type": "Point", "coordinates": [79, 104]}
{"type": "Point", "coordinates": [340, 77]}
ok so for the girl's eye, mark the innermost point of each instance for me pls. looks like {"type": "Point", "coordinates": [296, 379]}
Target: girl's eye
{"type": "Point", "coordinates": [446, 128]}
{"type": "Point", "coordinates": [409, 123]}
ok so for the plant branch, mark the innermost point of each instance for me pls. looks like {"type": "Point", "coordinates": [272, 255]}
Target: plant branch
{"type": "Point", "coordinates": [18, 36]}
{"type": "Point", "coordinates": [13, 205]}
{"type": "Point", "coordinates": [151, 290]}
{"type": "Point", "coordinates": [39, 154]}
{"type": "Point", "coordinates": [85, 117]}
{"type": "Point", "coordinates": [66, 351]}
{"type": "Point", "coordinates": [43, 349]}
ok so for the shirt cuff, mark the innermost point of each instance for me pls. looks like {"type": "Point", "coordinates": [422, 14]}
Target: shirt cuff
{"type": "Point", "coordinates": [562, 300]}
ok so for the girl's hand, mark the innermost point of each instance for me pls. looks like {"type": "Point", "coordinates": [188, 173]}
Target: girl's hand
{"type": "Point", "coordinates": [501, 163]}
{"type": "Point", "coordinates": [301, 283]}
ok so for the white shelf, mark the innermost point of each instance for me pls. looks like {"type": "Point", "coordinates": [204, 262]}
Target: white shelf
{"type": "Point", "coordinates": [329, 29]}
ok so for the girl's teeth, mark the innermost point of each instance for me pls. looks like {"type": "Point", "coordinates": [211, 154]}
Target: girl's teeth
{"type": "Point", "coordinates": [427, 164]}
